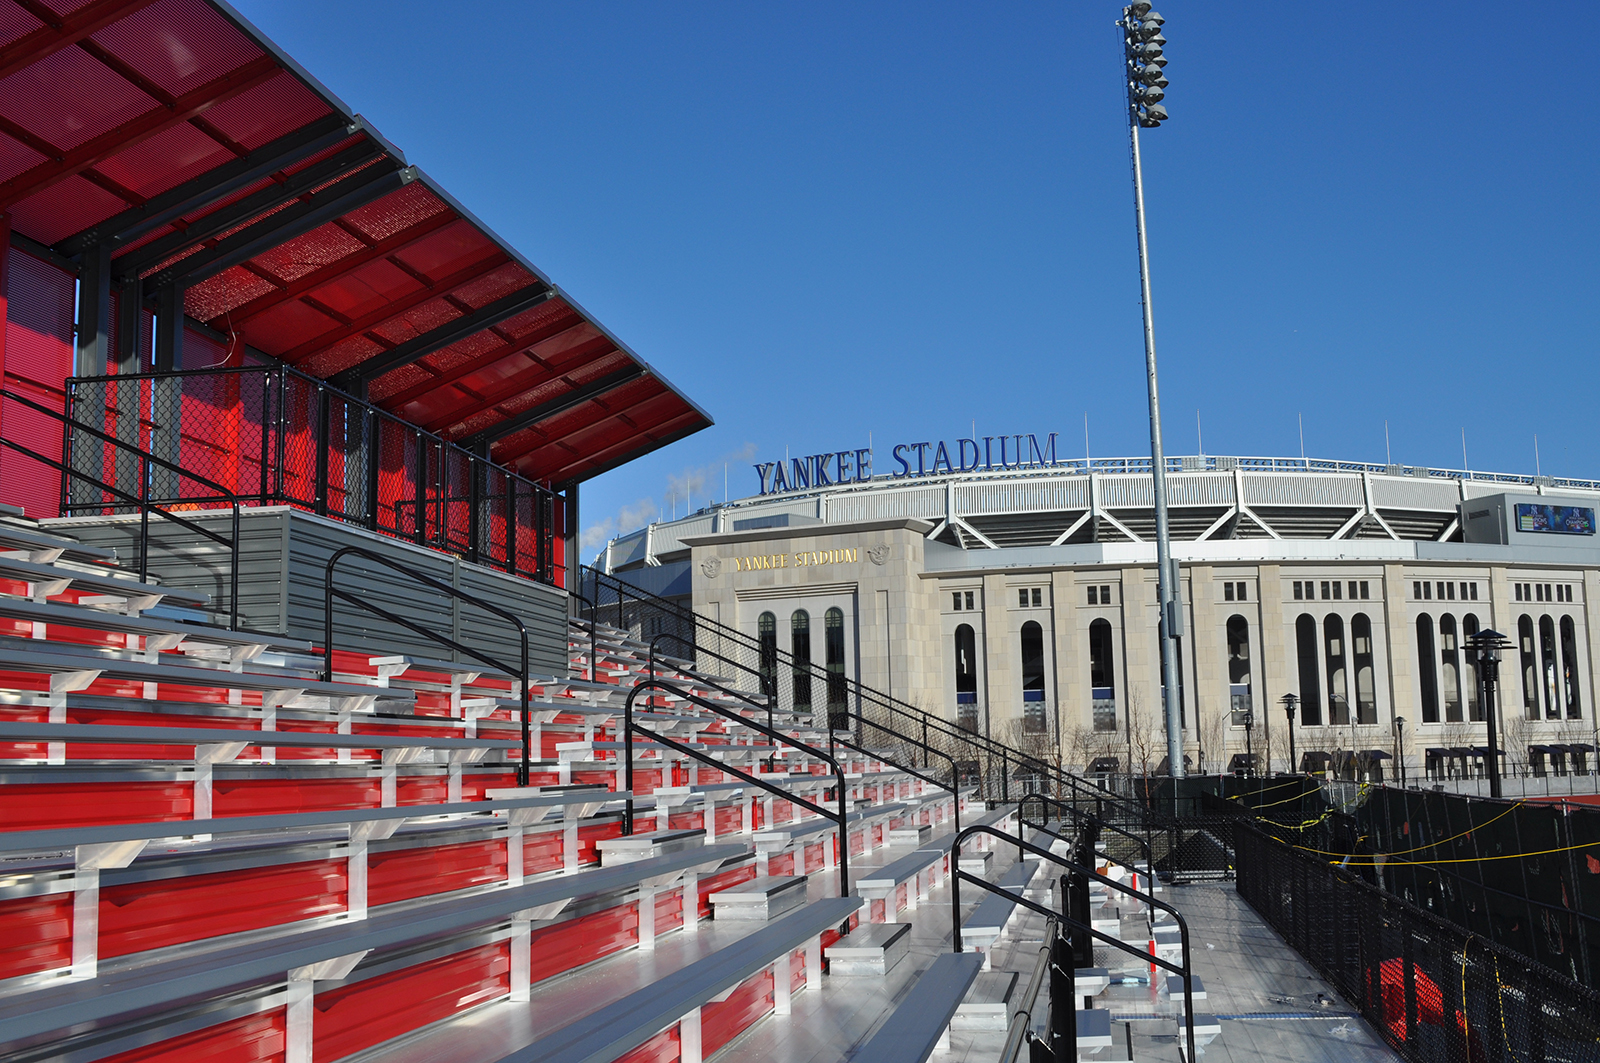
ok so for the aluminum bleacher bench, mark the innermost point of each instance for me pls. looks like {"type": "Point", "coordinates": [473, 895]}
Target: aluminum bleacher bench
{"type": "Point", "coordinates": [75, 669]}
{"type": "Point", "coordinates": [47, 580]}
{"type": "Point", "coordinates": [346, 832]}
{"type": "Point", "coordinates": [989, 920]}
{"type": "Point", "coordinates": [92, 1011]}
{"type": "Point", "coordinates": [158, 634]}
{"type": "Point", "coordinates": [920, 1025]}
{"type": "Point", "coordinates": [677, 999]}
{"type": "Point", "coordinates": [42, 548]}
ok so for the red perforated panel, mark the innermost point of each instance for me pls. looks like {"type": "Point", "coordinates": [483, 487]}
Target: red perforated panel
{"type": "Point", "coordinates": [253, 1039]}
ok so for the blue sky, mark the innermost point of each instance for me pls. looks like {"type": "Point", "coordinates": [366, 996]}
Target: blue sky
{"type": "Point", "coordinates": [827, 220]}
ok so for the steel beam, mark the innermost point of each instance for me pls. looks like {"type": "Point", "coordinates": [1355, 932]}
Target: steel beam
{"type": "Point", "coordinates": [64, 32]}
{"type": "Point", "coordinates": [94, 311]}
{"type": "Point", "coordinates": [65, 164]}
{"type": "Point", "coordinates": [251, 206]}
{"type": "Point", "coordinates": [637, 452]}
{"type": "Point", "coordinates": [213, 185]}
{"type": "Point", "coordinates": [169, 328]}
{"type": "Point", "coordinates": [421, 346]}
{"type": "Point", "coordinates": [576, 397]}
{"type": "Point", "coordinates": [355, 191]}
{"type": "Point", "coordinates": [524, 346]}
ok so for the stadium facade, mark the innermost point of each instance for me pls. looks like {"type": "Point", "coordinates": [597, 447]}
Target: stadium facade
{"type": "Point", "coordinates": [1015, 592]}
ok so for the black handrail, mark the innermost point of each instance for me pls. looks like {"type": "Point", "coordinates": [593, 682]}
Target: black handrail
{"type": "Point", "coordinates": [958, 876]}
{"type": "Point", "coordinates": [727, 660]}
{"type": "Point", "coordinates": [985, 744]}
{"type": "Point", "coordinates": [329, 592]}
{"type": "Point", "coordinates": [1046, 799]}
{"type": "Point", "coordinates": [592, 624]}
{"type": "Point", "coordinates": [630, 727]}
{"type": "Point", "coordinates": [142, 500]}
{"type": "Point", "coordinates": [955, 779]}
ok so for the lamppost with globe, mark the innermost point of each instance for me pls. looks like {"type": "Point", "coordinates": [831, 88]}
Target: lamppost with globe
{"type": "Point", "coordinates": [1289, 701]}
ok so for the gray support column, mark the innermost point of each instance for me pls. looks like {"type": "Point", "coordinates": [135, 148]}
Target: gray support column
{"type": "Point", "coordinates": [94, 311]}
{"type": "Point", "coordinates": [573, 538]}
{"type": "Point", "coordinates": [1273, 674]}
{"type": "Point", "coordinates": [169, 328]}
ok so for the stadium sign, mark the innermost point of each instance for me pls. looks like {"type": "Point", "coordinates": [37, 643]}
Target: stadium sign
{"type": "Point", "coordinates": [911, 461]}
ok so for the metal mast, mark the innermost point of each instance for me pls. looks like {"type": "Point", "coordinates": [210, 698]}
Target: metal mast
{"type": "Point", "coordinates": [1143, 45]}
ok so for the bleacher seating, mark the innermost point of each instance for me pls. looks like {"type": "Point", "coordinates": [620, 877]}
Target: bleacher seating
{"type": "Point", "coordinates": [214, 852]}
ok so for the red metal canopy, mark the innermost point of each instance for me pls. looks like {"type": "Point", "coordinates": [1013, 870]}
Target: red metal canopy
{"type": "Point", "coordinates": [172, 146]}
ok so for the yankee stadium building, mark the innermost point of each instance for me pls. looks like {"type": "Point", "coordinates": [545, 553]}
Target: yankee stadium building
{"type": "Point", "coordinates": [1015, 592]}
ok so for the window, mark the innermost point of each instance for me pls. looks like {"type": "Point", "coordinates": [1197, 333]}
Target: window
{"type": "Point", "coordinates": [966, 666]}
{"type": "Point", "coordinates": [967, 717]}
{"type": "Point", "coordinates": [1032, 661]}
{"type": "Point", "coordinates": [1353, 590]}
{"type": "Point", "coordinates": [1022, 597]}
{"type": "Point", "coordinates": [956, 601]}
{"type": "Point", "coordinates": [1326, 595]}
{"type": "Point", "coordinates": [1361, 648]}
{"type": "Point", "coordinates": [800, 649]}
{"type": "Point", "coordinates": [1547, 663]}
{"type": "Point", "coordinates": [1338, 591]}
{"type": "Point", "coordinates": [1105, 594]}
{"type": "Point", "coordinates": [1239, 589]}
{"type": "Point", "coordinates": [833, 647]}
{"type": "Point", "coordinates": [1427, 591]}
{"type": "Point", "coordinates": [1102, 676]}
{"type": "Point", "coordinates": [1227, 592]}
{"type": "Point", "coordinates": [1094, 595]}
{"type": "Point", "coordinates": [1038, 596]}
{"type": "Point", "coordinates": [1238, 668]}
{"type": "Point", "coordinates": [1365, 592]}
{"type": "Point", "coordinates": [1530, 668]}
{"type": "Point", "coordinates": [1569, 668]}
{"type": "Point", "coordinates": [1469, 628]}
{"type": "Point", "coordinates": [1427, 676]}
{"type": "Point", "coordinates": [1473, 588]}
{"type": "Point", "coordinates": [767, 631]}
{"type": "Point", "coordinates": [1025, 595]}
{"type": "Point", "coordinates": [1538, 590]}
{"type": "Point", "coordinates": [1516, 591]}
{"type": "Point", "coordinates": [1547, 595]}
{"type": "Point", "coordinates": [1450, 668]}
{"type": "Point", "coordinates": [969, 600]}
{"type": "Point", "coordinates": [1299, 593]}
{"type": "Point", "coordinates": [1305, 631]}
{"type": "Point", "coordinates": [1450, 591]}
{"type": "Point", "coordinates": [1338, 675]}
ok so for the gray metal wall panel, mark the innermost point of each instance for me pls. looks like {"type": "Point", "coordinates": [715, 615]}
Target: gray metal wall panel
{"type": "Point", "coordinates": [925, 503]}
{"type": "Point", "coordinates": [1023, 496]}
{"type": "Point", "coordinates": [1391, 492]}
{"type": "Point", "coordinates": [279, 540]}
{"type": "Point", "coordinates": [1302, 489]}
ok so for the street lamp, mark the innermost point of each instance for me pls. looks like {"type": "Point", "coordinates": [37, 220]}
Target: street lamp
{"type": "Point", "coordinates": [1249, 750]}
{"type": "Point", "coordinates": [1143, 47]}
{"type": "Point", "coordinates": [1399, 748]}
{"type": "Point", "coordinates": [1488, 645]}
{"type": "Point", "coordinates": [1289, 702]}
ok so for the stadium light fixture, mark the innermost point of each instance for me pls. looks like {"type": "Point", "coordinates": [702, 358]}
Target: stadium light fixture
{"type": "Point", "coordinates": [1289, 701]}
{"type": "Point", "coordinates": [1487, 645]}
{"type": "Point", "coordinates": [1143, 46]}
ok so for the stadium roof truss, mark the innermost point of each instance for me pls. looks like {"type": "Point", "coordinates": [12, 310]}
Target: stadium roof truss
{"type": "Point", "coordinates": [180, 160]}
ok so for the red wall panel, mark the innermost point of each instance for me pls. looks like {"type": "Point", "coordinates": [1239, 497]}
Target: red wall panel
{"type": "Point", "coordinates": [405, 873]}
{"type": "Point", "coordinates": [36, 359]}
{"type": "Point", "coordinates": [662, 1048]}
{"type": "Point", "coordinates": [359, 1016]}
{"type": "Point", "coordinates": [49, 805]}
{"type": "Point", "coordinates": [721, 1023]}
{"type": "Point", "coordinates": [562, 947]}
{"type": "Point", "coordinates": [266, 797]}
{"type": "Point", "coordinates": [35, 934]}
{"type": "Point", "coordinates": [150, 915]}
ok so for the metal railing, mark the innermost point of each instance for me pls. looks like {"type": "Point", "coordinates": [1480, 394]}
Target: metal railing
{"type": "Point", "coordinates": [280, 437]}
{"type": "Point", "coordinates": [330, 592]}
{"type": "Point", "coordinates": [136, 494]}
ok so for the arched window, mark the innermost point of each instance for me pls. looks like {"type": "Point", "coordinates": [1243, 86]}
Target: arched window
{"type": "Point", "coordinates": [966, 677]}
{"type": "Point", "coordinates": [1569, 668]}
{"type": "Point", "coordinates": [1547, 667]}
{"type": "Point", "coordinates": [1530, 668]}
{"type": "Point", "coordinates": [833, 640]}
{"type": "Point", "coordinates": [800, 648]}
{"type": "Point", "coordinates": [1361, 649]}
{"type": "Point", "coordinates": [1338, 669]}
{"type": "Point", "coordinates": [767, 626]}
{"type": "Point", "coordinates": [1305, 637]}
{"type": "Point", "coordinates": [1102, 676]}
{"type": "Point", "coordinates": [1469, 628]}
{"type": "Point", "coordinates": [1238, 668]}
{"type": "Point", "coordinates": [1450, 668]}
{"type": "Point", "coordinates": [1427, 670]}
{"type": "Point", "coordinates": [1033, 714]}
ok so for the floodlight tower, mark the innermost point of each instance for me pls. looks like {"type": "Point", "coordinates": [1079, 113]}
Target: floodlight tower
{"type": "Point", "coordinates": [1142, 44]}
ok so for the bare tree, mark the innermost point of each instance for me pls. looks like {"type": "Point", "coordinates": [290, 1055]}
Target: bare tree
{"type": "Point", "coordinates": [1141, 742]}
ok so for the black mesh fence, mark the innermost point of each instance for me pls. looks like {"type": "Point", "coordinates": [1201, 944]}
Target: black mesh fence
{"type": "Point", "coordinates": [271, 435]}
{"type": "Point", "coordinates": [1435, 991]}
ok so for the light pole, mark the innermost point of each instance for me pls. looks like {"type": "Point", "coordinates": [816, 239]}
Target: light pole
{"type": "Point", "coordinates": [1400, 748]}
{"type": "Point", "coordinates": [1488, 645]}
{"type": "Point", "coordinates": [1289, 702]}
{"type": "Point", "coordinates": [1249, 749]}
{"type": "Point", "coordinates": [1142, 47]}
